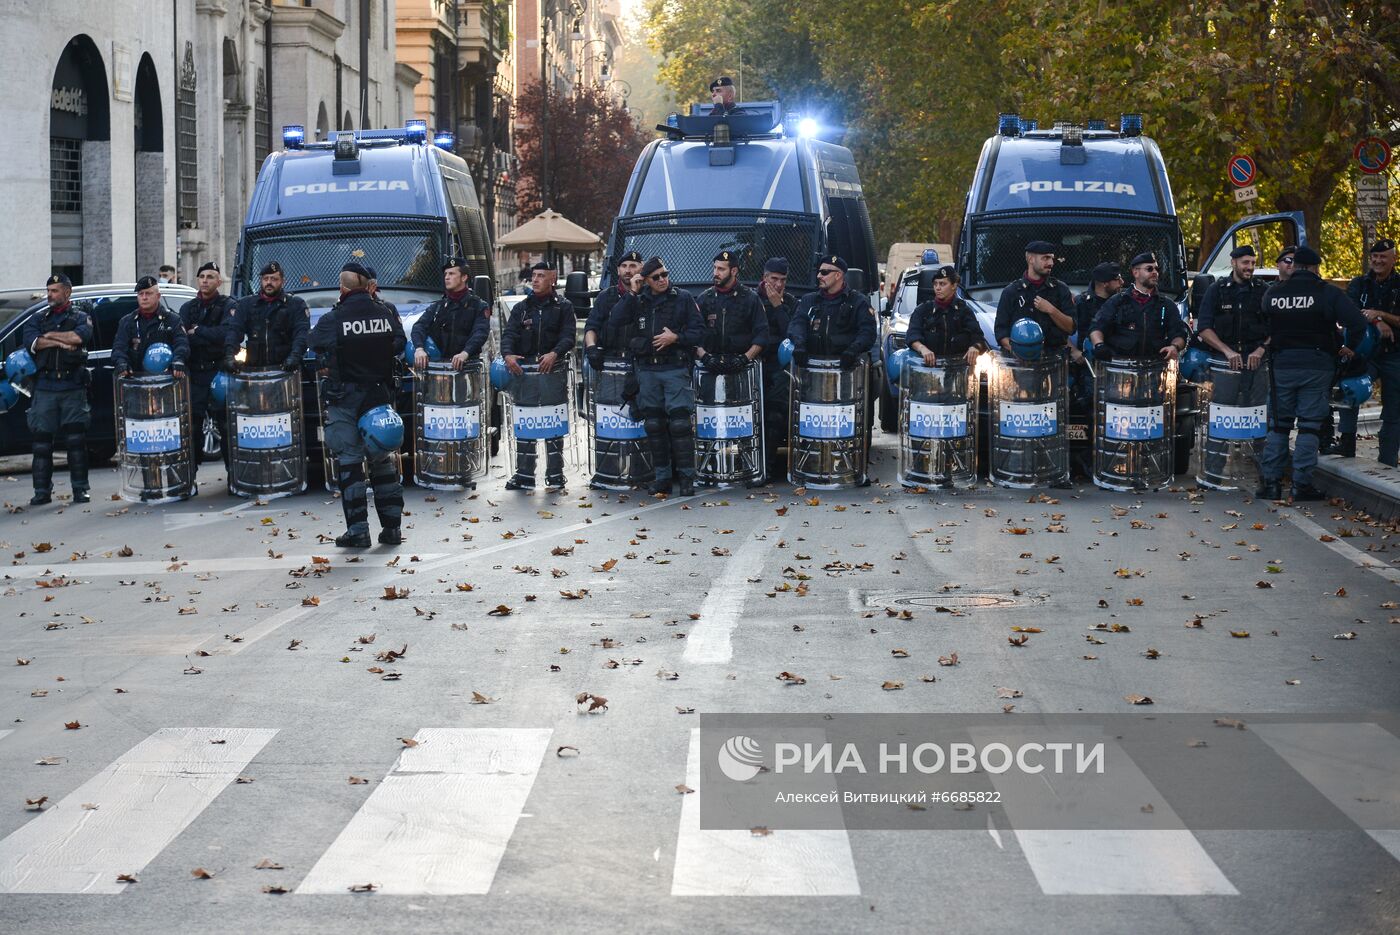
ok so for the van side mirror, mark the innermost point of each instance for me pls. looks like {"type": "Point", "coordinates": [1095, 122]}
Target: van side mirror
{"type": "Point", "coordinates": [1193, 257]}
{"type": "Point", "coordinates": [576, 289]}
{"type": "Point", "coordinates": [1199, 284]}
{"type": "Point", "coordinates": [484, 288]}
{"type": "Point", "coordinates": [855, 278]}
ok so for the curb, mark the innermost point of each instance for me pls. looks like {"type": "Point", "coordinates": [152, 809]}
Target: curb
{"type": "Point", "coordinates": [1365, 484]}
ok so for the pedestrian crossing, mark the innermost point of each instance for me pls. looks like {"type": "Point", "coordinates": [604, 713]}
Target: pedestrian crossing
{"type": "Point", "coordinates": [443, 818]}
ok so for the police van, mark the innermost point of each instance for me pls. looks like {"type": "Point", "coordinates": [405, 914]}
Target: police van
{"type": "Point", "coordinates": [390, 199]}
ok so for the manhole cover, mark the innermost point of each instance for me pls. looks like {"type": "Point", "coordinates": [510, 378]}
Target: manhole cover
{"type": "Point", "coordinates": [960, 601]}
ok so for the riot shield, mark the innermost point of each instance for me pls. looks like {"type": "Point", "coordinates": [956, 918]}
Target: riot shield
{"type": "Point", "coordinates": [619, 456]}
{"type": "Point", "coordinates": [938, 425]}
{"type": "Point", "coordinates": [1028, 404]}
{"type": "Point", "coordinates": [1134, 424]}
{"type": "Point", "coordinates": [827, 437]}
{"type": "Point", "coordinates": [729, 426]}
{"type": "Point", "coordinates": [267, 454]}
{"type": "Point", "coordinates": [1236, 425]}
{"type": "Point", "coordinates": [452, 425]}
{"type": "Point", "coordinates": [155, 457]}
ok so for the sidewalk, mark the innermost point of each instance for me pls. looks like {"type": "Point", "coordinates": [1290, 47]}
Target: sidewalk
{"type": "Point", "coordinates": [1363, 482]}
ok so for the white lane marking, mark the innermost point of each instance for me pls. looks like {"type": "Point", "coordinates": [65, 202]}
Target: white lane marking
{"type": "Point", "coordinates": [709, 642]}
{"type": "Point", "coordinates": [217, 645]}
{"type": "Point", "coordinates": [440, 822]}
{"type": "Point", "coordinates": [145, 798]}
{"type": "Point", "coordinates": [738, 863]}
{"type": "Point", "coordinates": [182, 520]}
{"type": "Point", "coordinates": [1165, 860]}
{"type": "Point", "coordinates": [6, 733]}
{"type": "Point", "coordinates": [1355, 556]}
{"type": "Point", "coordinates": [191, 566]}
{"type": "Point", "coordinates": [1354, 765]}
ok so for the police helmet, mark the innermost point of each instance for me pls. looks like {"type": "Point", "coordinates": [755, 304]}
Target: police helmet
{"type": "Point", "coordinates": [1027, 339]}
{"type": "Point", "coordinates": [499, 375]}
{"type": "Point", "coordinates": [1355, 390]}
{"type": "Point", "coordinates": [1195, 365]}
{"type": "Point", "coordinates": [19, 366]}
{"type": "Point", "coordinates": [158, 358]}
{"type": "Point", "coordinates": [895, 363]}
{"type": "Point", "coordinates": [785, 350]}
{"type": "Point", "coordinates": [382, 430]}
{"type": "Point", "coordinates": [8, 397]}
{"type": "Point", "coordinates": [218, 388]}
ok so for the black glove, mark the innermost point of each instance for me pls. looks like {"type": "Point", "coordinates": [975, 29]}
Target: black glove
{"type": "Point", "coordinates": [799, 358]}
{"type": "Point", "coordinates": [638, 346]}
{"type": "Point", "coordinates": [1103, 352]}
{"type": "Point", "coordinates": [713, 363]}
{"type": "Point", "coordinates": [291, 365]}
{"type": "Point", "coordinates": [848, 359]}
{"type": "Point", "coordinates": [738, 363]}
{"type": "Point", "coordinates": [594, 356]}
{"type": "Point", "coordinates": [178, 368]}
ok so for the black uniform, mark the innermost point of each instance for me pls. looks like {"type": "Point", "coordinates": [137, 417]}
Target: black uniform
{"type": "Point", "coordinates": [1086, 306]}
{"type": "Point", "coordinates": [456, 324]}
{"type": "Point", "coordinates": [359, 341]}
{"type": "Point", "coordinates": [776, 389]}
{"type": "Point", "coordinates": [60, 401]}
{"type": "Point", "coordinates": [597, 322]}
{"type": "Point", "coordinates": [1234, 311]}
{"type": "Point", "coordinates": [1138, 326]}
{"type": "Point", "coordinates": [734, 321]}
{"type": "Point", "coordinates": [947, 330]}
{"type": "Point", "coordinates": [276, 331]}
{"type": "Point", "coordinates": [1368, 292]}
{"type": "Point", "coordinates": [1018, 301]}
{"type": "Point", "coordinates": [840, 325]}
{"type": "Point", "coordinates": [136, 333]}
{"type": "Point", "coordinates": [209, 319]}
{"type": "Point", "coordinates": [537, 326]}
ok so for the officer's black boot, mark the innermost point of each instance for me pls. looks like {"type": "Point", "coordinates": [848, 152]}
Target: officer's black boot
{"type": "Point", "coordinates": [1269, 490]}
{"type": "Point", "coordinates": [351, 480]}
{"type": "Point", "coordinates": [388, 502]}
{"type": "Point", "coordinates": [1346, 445]}
{"type": "Point", "coordinates": [554, 465]}
{"type": "Point", "coordinates": [660, 442]}
{"type": "Point", "coordinates": [42, 470]}
{"type": "Point", "coordinates": [78, 466]}
{"type": "Point", "coordinates": [682, 453]}
{"type": "Point", "coordinates": [525, 458]}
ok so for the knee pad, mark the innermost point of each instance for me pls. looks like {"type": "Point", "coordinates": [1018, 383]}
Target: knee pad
{"type": "Point", "coordinates": [1282, 427]}
{"type": "Point", "coordinates": [679, 426]}
{"type": "Point", "coordinates": [1309, 430]}
{"type": "Point", "coordinates": [43, 440]}
{"type": "Point", "coordinates": [655, 425]}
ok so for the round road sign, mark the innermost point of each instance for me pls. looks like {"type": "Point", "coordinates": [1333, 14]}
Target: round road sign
{"type": "Point", "coordinates": [1241, 170]}
{"type": "Point", "coordinates": [1372, 154]}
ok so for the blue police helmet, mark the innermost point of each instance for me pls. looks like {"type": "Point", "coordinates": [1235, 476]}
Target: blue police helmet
{"type": "Point", "coordinates": [1195, 365]}
{"type": "Point", "coordinates": [8, 397]}
{"type": "Point", "coordinates": [434, 353]}
{"type": "Point", "coordinates": [19, 366]}
{"type": "Point", "coordinates": [1370, 342]}
{"type": "Point", "coordinates": [895, 363]}
{"type": "Point", "coordinates": [1027, 339]}
{"type": "Point", "coordinates": [1355, 390]}
{"type": "Point", "coordinates": [499, 375]}
{"type": "Point", "coordinates": [382, 429]}
{"type": "Point", "coordinates": [785, 350]}
{"type": "Point", "coordinates": [158, 358]}
{"type": "Point", "coordinates": [218, 388]}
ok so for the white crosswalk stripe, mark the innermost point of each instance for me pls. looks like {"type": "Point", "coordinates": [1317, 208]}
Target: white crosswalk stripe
{"type": "Point", "coordinates": [144, 799]}
{"type": "Point", "coordinates": [440, 822]}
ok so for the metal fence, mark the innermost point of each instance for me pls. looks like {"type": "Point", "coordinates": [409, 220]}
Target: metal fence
{"type": "Point", "coordinates": [403, 251]}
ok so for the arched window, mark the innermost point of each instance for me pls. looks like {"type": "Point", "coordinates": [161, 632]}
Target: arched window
{"type": "Point", "coordinates": [323, 123]}
{"type": "Point", "coordinates": [233, 83]}
{"type": "Point", "coordinates": [186, 144]}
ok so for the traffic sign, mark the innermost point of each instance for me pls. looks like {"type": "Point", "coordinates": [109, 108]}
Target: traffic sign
{"type": "Point", "coordinates": [1241, 171]}
{"type": "Point", "coordinates": [1372, 154]}
{"type": "Point", "coordinates": [1372, 199]}
{"type": "Point", "coordinates": [1248, 193]}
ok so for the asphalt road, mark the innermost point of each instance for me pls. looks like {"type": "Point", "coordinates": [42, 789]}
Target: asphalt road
{"type": "Point", "coordinates": [225, 699]}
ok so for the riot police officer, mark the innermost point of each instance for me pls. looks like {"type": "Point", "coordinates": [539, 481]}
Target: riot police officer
{"type": "Point", "coordinates": [663, 328]}
{"type": "Point", "coordinates": [833, 321]}
{"type": "Point", "coordinates": [1377, 294]}
{"type": "Point", "coordinates": [944, 328]}
{"type": "Point", "coordinates": [736, 327]}
{"type": "Point", "coordinates": [595, 343]}
{"type": "Point", "coordinates": [459, 323]}
{"type": "Point", "coordinates": [57, 340]}
{"type": "Point", "coordinates": [722, 94]}
{"type": "Point", "coordinates": [274, 324]}
{"type": "Point", "coordinates": [779, 306]}
{"type": "Point", "coordinates": [540, 331]}
{"type": "Point", "coordinates": [1303, 314]}
{"type": "Point", "coordinates": [151, 323]}
{"type": "Point", "coordinates": [1230, 323]}
{"type": "Point", "coordinates": [357, 344]}
{"type": "Point", "coordinates": [1039, 296]}
{"type": "Point", "coordinates": [1106, 281]}
{"type": "Point", "coordinates": [205, 321]}
{"type": "Point", "coordinates": [1139, 323]}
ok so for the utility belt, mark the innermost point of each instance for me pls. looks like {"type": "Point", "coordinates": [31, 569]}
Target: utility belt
{"type": "Point", "coordinates": [63, 365]}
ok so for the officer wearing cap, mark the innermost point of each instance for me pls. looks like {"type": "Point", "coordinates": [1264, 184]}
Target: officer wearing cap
{"type": "Point", "coordinates": [541, 331]}
{"type": "Point", "coordinates": [1105, 282]}
{"type": "Point", "coordinates": [722, 94]}
{"type": "Point", "coordinates": [459, 323]}
{"type": "Point", "coordinates": [1303, 314]}
{"type": "Point", "coordinates": [944, 328]}
{"type": "Point", "coordinates": [1230, 323]}
{"type": "Point", "coordinates": [1037, 295]}
{"type": "Point", "coordinates": [665, 328]}
{"type": "Point", "coordinates": [357, 344]}
{"type": "Point", "coordinates": [151, 323]}
{"type": "Point", "coordinates": [736, 328]}
{"type": "Point", "coordinates": [1284, 262]}
{"type": "Point", "coordinates": [833, 321]}
{"type": "Point", "coordinates": [779, 306]}
{"type": "Point", "coordinates": [273, 323]}
{"type": "Point", "coordinates": [57, 339]}
{"type": "Point", "coordinates": [205, 320]}
{"type": "Point", "coordinates": [372, 287]}
{"type": "Point", "coordinates": [596, 344]}
{"type": "Point", "coordinates": [1377, 294]}
{"type": "Point", "coordinates": [1139, 323]}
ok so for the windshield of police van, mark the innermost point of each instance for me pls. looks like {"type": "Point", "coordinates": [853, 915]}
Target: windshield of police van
{"type": "Point", "coordinates": [998, 250]}
{"type": "Point", "coordinates": [689, 241]}
{"type": "Point", "coordinates": [405, 253]}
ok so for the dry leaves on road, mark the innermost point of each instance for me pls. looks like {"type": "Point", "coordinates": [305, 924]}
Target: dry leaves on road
{"type": "Point", "coordinates": [788, 678]}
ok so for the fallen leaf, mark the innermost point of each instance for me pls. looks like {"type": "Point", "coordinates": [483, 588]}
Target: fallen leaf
{"type": "Point", "coordinates": [267, 863]}
{"type": "Point", "coordinates": [1010, 693]}
{"type": "Point", "coordinates": [358, 781]}
{"type": "Point", "coordinates": [1349, 635]}
{"type": "Point", "coordinates": [595, 703]}
{"type": "Point", "coordinates": [900, 653]}
{"type": "Point", "coordinates": [892, 686]}
{"type": "Point", "coordinates": [408, 741]}
{"type": "Point", "coordinates": [787, 678]}
{"type": "Point", "coordinates": [1021, 640]}
{"type": "Point", "coordinates": [1137, 699]}
{"type": "Point", "coordinates": [276, 889]}
{"type": "Point", "coordinates": [479, 698]}
{"type": "Point", "coordinates": [501, 611]}
{"type": "Point", "coordinates": [1240, 634]}
{"type": "Point", "coordinates": [683, 789]}
{"type": "Point", "coordinates": [72, 725]}
{"type": "Point", "coordinates": [199, 873]}
{"type": "Point", "coordinates": [363, 887]}
{"type": "Point", "coordinates": [126, 878]}
{"type": "Point", "coordinates": [949, 660]}
{"type": "Point", "coordinates": [311, 601]}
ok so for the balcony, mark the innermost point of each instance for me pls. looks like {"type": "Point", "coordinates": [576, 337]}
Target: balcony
{"type": "Point", "coordinates": [483, 33]}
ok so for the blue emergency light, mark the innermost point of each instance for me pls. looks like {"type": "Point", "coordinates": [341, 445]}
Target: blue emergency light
{"type": "Point", "coordinates": [443, 140]}
{"type": "Point", "coordinates": [673, 120]}
{"type": "Point", "coordinates": [293, 136]}
{"type": "Point", "coordinates": [415, 131]}
{"type": "Point", "coordinates": [1008, 125]}
{"type": "Point", "coordinates": [1130, 124]}
{"type": "Point", "coordinates": [1028, 125]}
{"type": "Point", "coordinates": [1097, 125]}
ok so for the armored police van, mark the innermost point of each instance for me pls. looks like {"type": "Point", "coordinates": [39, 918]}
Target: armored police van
{"type": "Point", "coordinates": [387, 199]}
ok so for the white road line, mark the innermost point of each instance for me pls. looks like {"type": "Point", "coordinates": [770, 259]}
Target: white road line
{"type": "Point", "coordinates": [739, 863]}
{"type": "Point", "coordinates": [1355, 556]}
{"type": "Point", "coordinates": [262, 563]}
{"type": "Point", "coordinates": [217, 645]}
{"type": "Point", "coordinates": [1354, 765]}
{"type": "Point", "coordinates": [144, 799]}
{"type": "Point", "coordinates": [5, 733]}
{"type": "Point", "coordinates": [440, 822]}
{"type": "Point", "coordinates": [709, 642]}
{"type": "Point", "coordinates": [1166, 860]}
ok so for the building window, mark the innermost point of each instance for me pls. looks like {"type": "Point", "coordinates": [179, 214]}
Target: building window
{"type": "Point", "coordinates": [65, 175]}
{"type": "Point", "coordinates": [186, 145]}
{"type": "Point", "coordinates": [262, 121]}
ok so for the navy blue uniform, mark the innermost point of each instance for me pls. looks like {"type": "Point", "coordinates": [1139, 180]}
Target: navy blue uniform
{"type": "Point", "coordinates": [1138, 326]}
{"type": "Point", "coordinates": [1086, 306]}
{"type": "Point", "coordinates": [734, 321]}
{"type": "Point", "coordinates": [840, 325]}
{"type": "Point", "coordinates": [946, 330]}
{"type": "Point", "coordinates": [775, 378]}
{"type": "Point", "coordinates": [276, 331]}
{"type": "Point", "coordinates": [1234, 311]}
{"type": "Point", "coordinates": [1018, 301]}
{"type": "Point", "coordinates": [209, 322]}
{"type": "Point", "coordinates": [456, 325]}
{"type": "Point", "coordinates": [537, 326]}
{"type": "Point", "coordinates": [136, 333]}
{"type": "Point", "coordinates": [60, 401]}
{"type": "Point", "coordinates": [1383, 295]}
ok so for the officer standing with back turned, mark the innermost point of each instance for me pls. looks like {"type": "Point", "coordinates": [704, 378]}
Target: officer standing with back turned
{"type": "Point", "coordinates": [57, 339]}
{"type": "Point", "coordinates": [1377, 294]}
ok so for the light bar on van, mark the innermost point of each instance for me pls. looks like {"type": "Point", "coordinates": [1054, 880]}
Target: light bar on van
{"type": "Point", "coordinates": [808, 128]}
{"type": "Point", "coordinates": [1130, 124]}
{"type": "Point", "coordinates": [415, 131]}
{"type": "Point", "coordinates": [1097, 125]}
{"type": "Point", "coordinates": [345, 145]}
{"type": "Point", "coordinates": [720, 135]}
{"type": "Point", "coordinates": [1072, 134]}
{"type": "Point", "coordinates": [673, 120]}
{"type": "Point", "coordinates": [444, 140]}
{"type": "Point", "coordinates": [1008, 125]}
{"type": "Point", "coordinates": [293, 136]}
{"type": "Point", "coordinates": [1029, 125]}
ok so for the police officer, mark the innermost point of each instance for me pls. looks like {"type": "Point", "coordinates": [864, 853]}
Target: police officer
{"type": "Point", "coordinates": [151, 323]}
{"type": "Point", "coordinates": [373, 289]}
{"type": "Point", "coordinates": [1106, 281]}
{"type": "Point", "coordinates": [57, 339]}
{"type": "Point", "coordinates": [833, 321]}
{"type": "Point", "coordinates": [1303, 315]}
{"type": "Point", "coordinates": [274, 324]}
{"type": "Point", "coordinates": [459, 323]}
{"type": "Point", "coordinates": [944, 328]}
{"type": "Point", "coordinates": [779, 306]}
{"type": "Point", "coordinates": [664, 328]}
{"type": "Point", "coordinates": [1230, 323]}
{"type": "Point", "coordinates": [1039, 296]}
{"type": "Point", "coordinates": [205, 321]}
{"type": "Point", "coordinates": [595, 344]}
{"type": "Point", "coordinates": [357, 344]}
{"type": "Point", "coordinates": [1377, 294]}
{"type": "Point", "coordinates": [540, 331]}
{"type": "Point", "coordinates": [1284, 262]}
{"type": "Point", "coordinates": [722, 94]}
{"type": "Point", "coordinates": [1139, 323]}
{"type": "Point", "coordinates": [736, 327]}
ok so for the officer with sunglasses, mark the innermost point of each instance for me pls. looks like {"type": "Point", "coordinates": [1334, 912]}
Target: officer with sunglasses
{"type": "Point", "coordinates": [1139, 323]}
